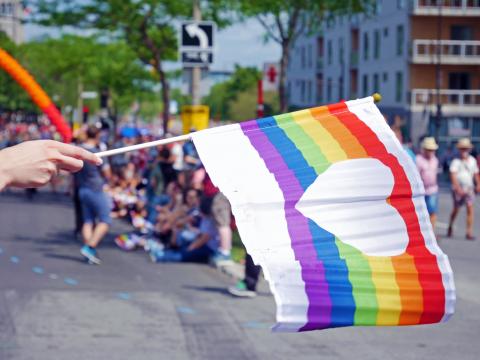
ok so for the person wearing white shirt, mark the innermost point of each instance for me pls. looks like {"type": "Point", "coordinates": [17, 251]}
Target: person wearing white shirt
{"type": "Point", "coordinates": [464, 175]}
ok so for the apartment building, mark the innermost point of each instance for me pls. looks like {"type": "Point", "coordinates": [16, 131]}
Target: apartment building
{"type": "Point", "coordinates": [417, 54]}
{"type": "Point", "coordinates": [11, 12]}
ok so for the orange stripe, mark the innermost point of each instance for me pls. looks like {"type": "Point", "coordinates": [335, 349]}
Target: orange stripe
{"type": "Point", "coordinates": [340, 133]}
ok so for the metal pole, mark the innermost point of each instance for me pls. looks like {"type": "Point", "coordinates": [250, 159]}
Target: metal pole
{"type": "Point", "coordinates": [196, 71]}
{"type": "Point", "coordinates": [438, 70]}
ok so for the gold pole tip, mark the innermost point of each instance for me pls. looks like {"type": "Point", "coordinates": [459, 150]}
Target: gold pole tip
{"type": "Point", "coordinates": [377, 97]}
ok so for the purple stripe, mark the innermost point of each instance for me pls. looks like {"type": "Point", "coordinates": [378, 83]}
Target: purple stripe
{"type": "Point", "coordinates": [313, 272]}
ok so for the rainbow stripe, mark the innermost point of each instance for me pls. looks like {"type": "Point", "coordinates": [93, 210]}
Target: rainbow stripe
{"type": "Point", "coordinates": [344, 286]}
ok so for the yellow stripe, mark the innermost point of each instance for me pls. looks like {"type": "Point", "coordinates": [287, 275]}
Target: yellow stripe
{"type": "Point", "coordinates": [387, 290]}
{"type": "Point", "coordinates": [324, 140]}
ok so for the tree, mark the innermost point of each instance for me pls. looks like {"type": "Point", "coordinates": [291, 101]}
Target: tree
{"type": "Point", "coordinates": [147, 26]}
{"type": "Point", "coordinates": [284, 20]}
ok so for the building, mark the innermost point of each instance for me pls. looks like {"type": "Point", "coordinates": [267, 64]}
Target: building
{"type": "Point", "coordinates": [405, 51]}
{"type": "Point", "coordinates": [11, 12]}
{"type": "Point", "coordinates": [208, 80]}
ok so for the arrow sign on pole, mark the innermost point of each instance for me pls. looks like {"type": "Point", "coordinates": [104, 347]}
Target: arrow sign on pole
{"type": "Point", "coordinates": [197, 42]}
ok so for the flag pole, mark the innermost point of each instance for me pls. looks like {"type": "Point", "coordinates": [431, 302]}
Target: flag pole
{"type": "Point", "coordinates": [149, 144]}
{"type": "Point", "coordinates": [376, 98]}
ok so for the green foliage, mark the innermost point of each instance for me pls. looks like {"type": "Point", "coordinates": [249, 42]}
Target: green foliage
{"type": "Point", "coordinates": [224, 94]}
{"type": "Point", "coordinates": [60, 65]}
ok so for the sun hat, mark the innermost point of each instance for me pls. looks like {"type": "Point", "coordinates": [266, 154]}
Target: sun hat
{"type": "Point", "coordinates": [429, 143]}
{"type": "Point", "coordinates": [464, 143]}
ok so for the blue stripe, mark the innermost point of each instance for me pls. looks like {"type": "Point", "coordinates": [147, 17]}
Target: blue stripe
{"type": "Point", "coordinates": [336, 269]}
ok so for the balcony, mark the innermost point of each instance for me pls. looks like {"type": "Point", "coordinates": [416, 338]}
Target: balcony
{"type": "Point", "coordinates": [452, 52]}
{"type": "Point", "coordinates": [448, 7]}
{"type": "Point", "coordinates": [454, 102]}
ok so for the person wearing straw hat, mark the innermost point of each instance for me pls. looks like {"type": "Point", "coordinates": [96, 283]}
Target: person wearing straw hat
{"type": "Point", "coordinates": [427, 164]}
{"type": "Point", "coordinates": [465, 179]}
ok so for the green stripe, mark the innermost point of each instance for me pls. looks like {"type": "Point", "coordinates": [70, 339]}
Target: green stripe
{"type": "Point", "coordinates": [359, 271]}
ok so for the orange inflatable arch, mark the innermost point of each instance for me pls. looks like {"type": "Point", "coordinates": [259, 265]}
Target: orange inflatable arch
{"type": "Point", "coordinates": [39, 97]}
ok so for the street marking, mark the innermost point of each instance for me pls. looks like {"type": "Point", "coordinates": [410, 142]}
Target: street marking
{"type": "Point", "coordinates": [124, 296]}
{"type": "Point", "coordinates": [53, 276]}
{"type": "Point", "coordinates": [185, 310]}
{"type": "Point", "coordinates": [1, 250]}
{"type": "Point", "coordinates": [256, 325]}
{"type": "Point", "coordinates": [14, 259]}
{"type": "Point", "coordinates": [70, 281]}
{"type": "Point", "coordinates": [37, 270]}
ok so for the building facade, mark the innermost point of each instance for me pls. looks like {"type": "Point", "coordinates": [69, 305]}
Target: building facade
{"type": "Point", "coordinates": [417, 54]}
{"type": "Point", "coordinates": [11, 12]}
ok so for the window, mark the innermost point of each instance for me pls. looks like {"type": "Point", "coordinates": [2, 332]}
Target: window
{"type": "Point", "coordinates": [398, 87]}
{"type": "Point", "coordinates": [340, 88]}
{"type": "Point", "coordinates": [376, 44]}
{"type": "Point", "coordinates": [400, 4]}
{"type": "Point", "coordinates": [376, 83]}
{"type": "Point", "coordinates": [309, 92]}
{"type": "Point", "coordinates": [385, 32]}
{"type": "Point", "coordinates": [365, 46]}
{"type": "Point", "coordinates": [340, 50]}
{"type": "Point", "coordinates": [329, 52]}
{"type": "Point", "coordinates": [302, 57]}
{"type": "Point", "coordinates": [400, 39]}
{"type": "Point", "coordinates": [385, 77]}
{"type": "Point", "coordinates": [309, 58]}
{"type": "Point", "coordinates": [302, 91]}
{"type": "Point", "coordinates": [365, 85]}
{"type": "Point", "coordinates": [329, 90]}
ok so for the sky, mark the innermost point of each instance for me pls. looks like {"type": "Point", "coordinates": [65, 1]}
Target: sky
{"type": "Point", "coordinates": [241, 44]}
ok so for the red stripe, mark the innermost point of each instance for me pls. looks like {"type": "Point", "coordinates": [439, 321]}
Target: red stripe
{"type": "Point", "coordinates": [429, 274]}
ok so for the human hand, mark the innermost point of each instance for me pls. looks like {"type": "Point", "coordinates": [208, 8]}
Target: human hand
{"type": "Point", "coordinates": [34, 163]}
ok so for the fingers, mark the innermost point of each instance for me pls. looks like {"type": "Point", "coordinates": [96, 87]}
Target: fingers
{"type": "Point", "coordinates": [68, 163]}
{"type": "Point", "coordinates": [77, 153]}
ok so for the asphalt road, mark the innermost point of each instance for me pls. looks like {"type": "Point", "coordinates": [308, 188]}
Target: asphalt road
{"type": "Point", "coordinates": [54, 306]}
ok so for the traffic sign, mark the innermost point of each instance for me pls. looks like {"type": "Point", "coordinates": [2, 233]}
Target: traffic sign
{"type": "Point", "coordinates": [192, 58]}
{"type": "Point", "coordinates": [271, 75]}
{"type": "Point", "coordinates": [196, 43]}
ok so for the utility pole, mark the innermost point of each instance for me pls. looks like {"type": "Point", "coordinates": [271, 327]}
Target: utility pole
{"type": "Point", "coordinates": [196, 70]}
{"type": "Point", "coordinates": [438, 71]}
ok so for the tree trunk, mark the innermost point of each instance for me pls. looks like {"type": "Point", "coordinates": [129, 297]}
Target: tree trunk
{"type": "Point", "coordinates": [283, 74]}
{"type": "Point", "coordinates": [165, 97]}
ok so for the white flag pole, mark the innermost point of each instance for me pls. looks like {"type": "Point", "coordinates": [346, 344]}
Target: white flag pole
{"type": "Point", "coordinates": [142, 146]}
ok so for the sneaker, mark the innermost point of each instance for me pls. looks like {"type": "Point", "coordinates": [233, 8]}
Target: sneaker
{"type": "Point", "coordinates": [220, 260]}
{"type": "Point", "coordinates": [240, 290]}
{"type": "Point", "coordinates": [90, 254]}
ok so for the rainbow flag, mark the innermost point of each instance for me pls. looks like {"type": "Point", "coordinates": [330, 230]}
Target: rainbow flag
{"type": "Point", "coordinates": [329, 204]}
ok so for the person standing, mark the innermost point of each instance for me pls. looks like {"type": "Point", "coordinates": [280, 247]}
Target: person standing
{"type": "Point", "coordinates": [465, 181]}
{"type": "Point", "coordinates": [248, 286]}
{"type": "Point", "coordinates": [427, 164]}
{"type": "Point", "coordinates": [93, 200]}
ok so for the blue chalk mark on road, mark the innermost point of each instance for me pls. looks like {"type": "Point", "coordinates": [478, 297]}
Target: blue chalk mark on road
{"type": "Point", "coordinates": [38, 270]}
{"type": "Point", "coordinates": [1, 250]}
{"type": "Point", "coordinates": [70, 281]}
{"type": "Point", "coordinates": [14, 259]}
{"type": "Point", "coordinates": [185, 310]}
{"type": "Point", "coordinates": [124, 296]}
{"type": "Point", "coordinates": [256, 325]}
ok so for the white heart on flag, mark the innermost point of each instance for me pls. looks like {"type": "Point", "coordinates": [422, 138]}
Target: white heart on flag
{"type": "Point", "coordinates": [349, 200]}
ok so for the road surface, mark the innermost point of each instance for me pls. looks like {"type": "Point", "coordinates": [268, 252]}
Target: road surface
{"type": "Point", "coordinates": [54, 306]}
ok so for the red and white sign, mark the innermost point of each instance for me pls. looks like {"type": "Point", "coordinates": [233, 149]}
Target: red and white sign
{"type": "Point", "coordinates": [271, 75]}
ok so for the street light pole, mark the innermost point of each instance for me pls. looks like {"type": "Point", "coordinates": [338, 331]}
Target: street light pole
{"type": "Point", "coordinates": [196, 70]}
{"type": "Point", "coordinates": [438, 71]}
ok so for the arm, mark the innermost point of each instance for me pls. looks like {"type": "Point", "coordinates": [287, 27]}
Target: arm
{"type": "Point", "coordinates": [455, 185]}
{"type": "Point", "coordinates": [201, 240]}
{"type": "Point", "coordinates": [34, 163]}
{"type": "Point", "coordinates": [477, 182]}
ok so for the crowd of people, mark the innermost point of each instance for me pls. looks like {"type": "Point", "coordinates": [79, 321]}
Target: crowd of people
{"type": "Point", "coordinates": [176, 211]}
